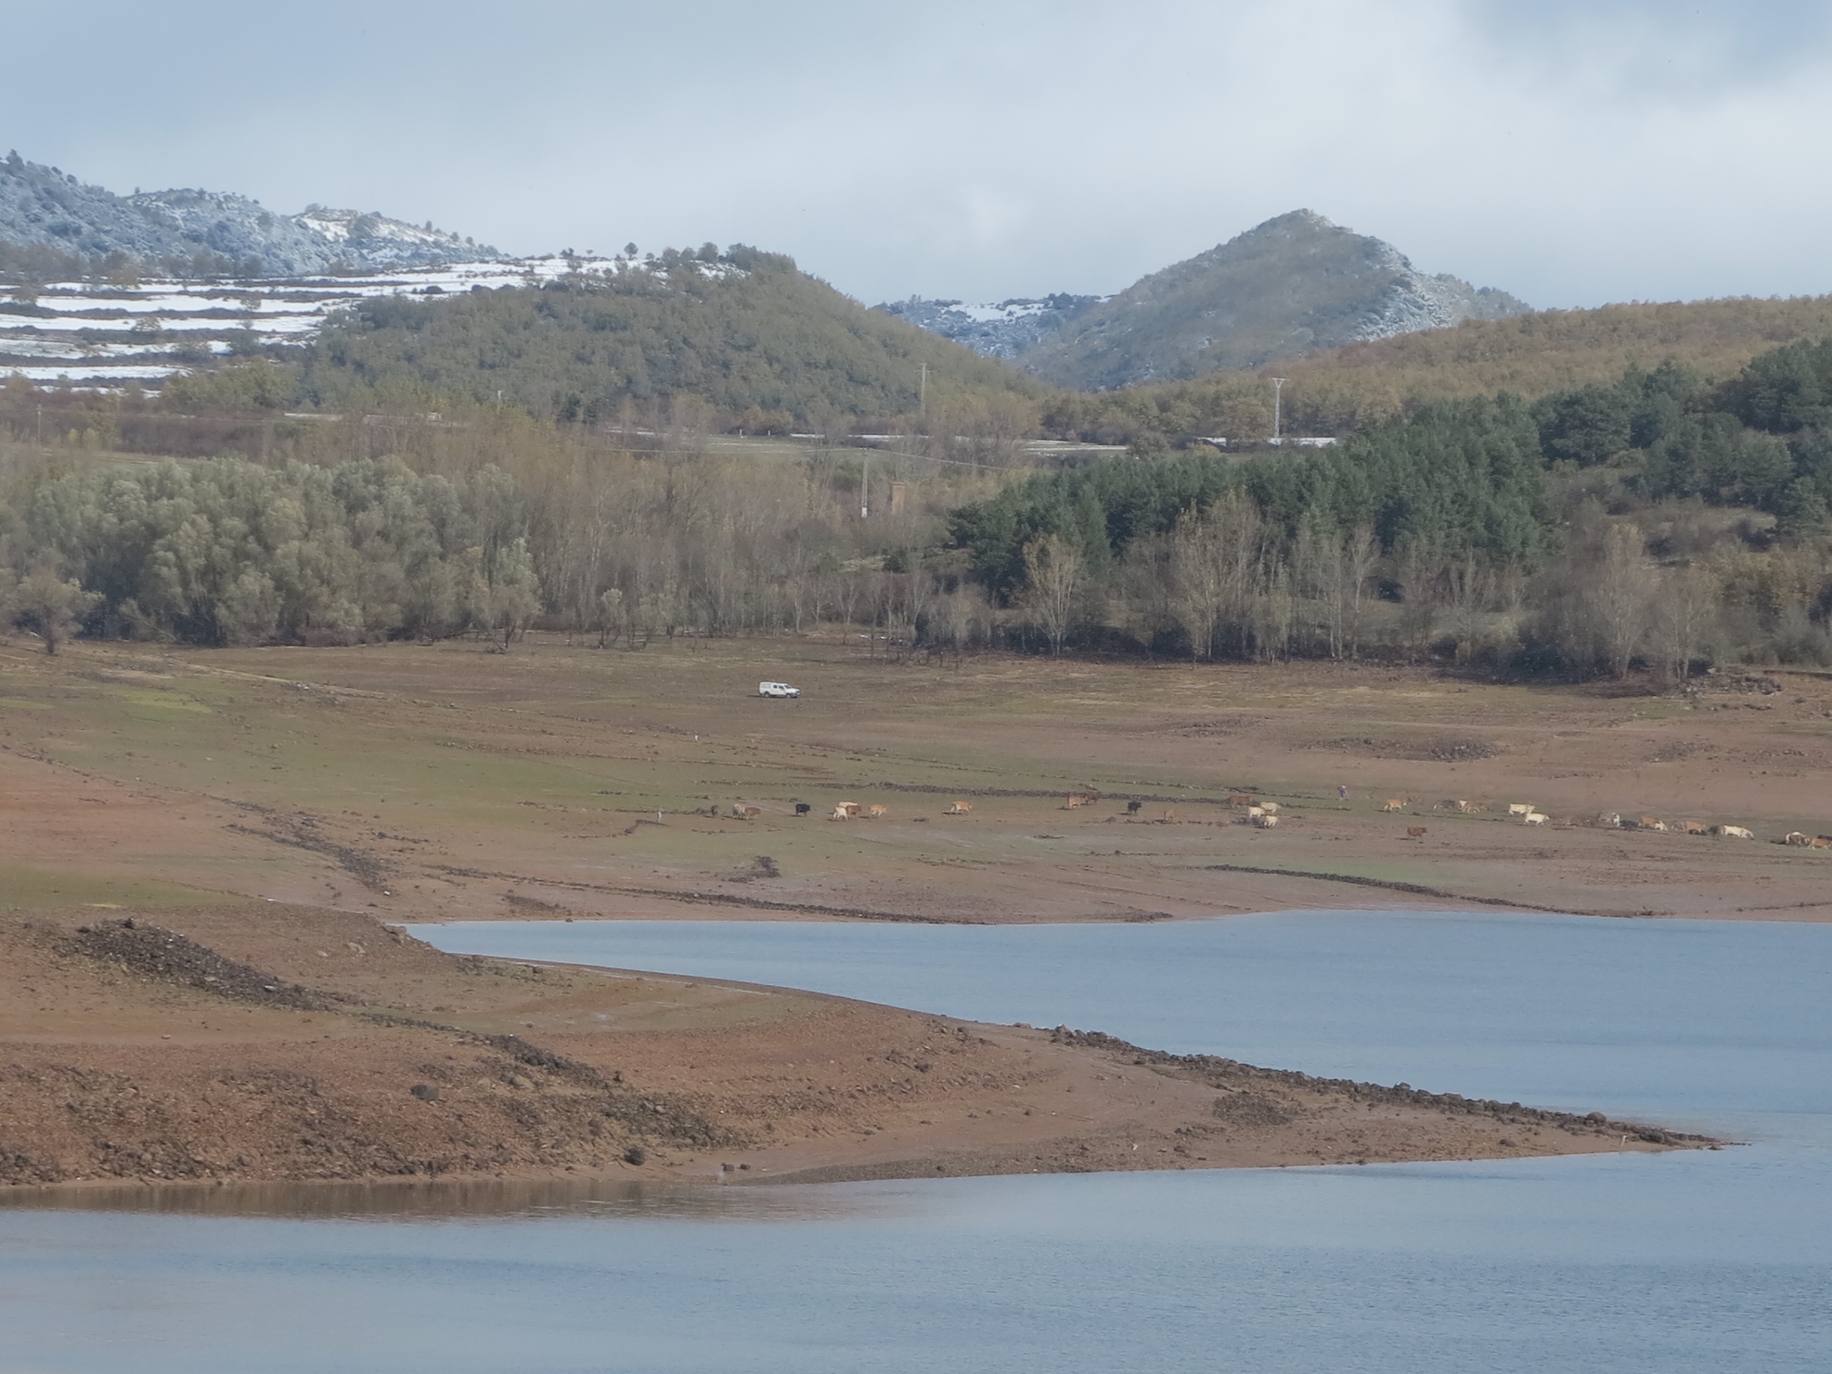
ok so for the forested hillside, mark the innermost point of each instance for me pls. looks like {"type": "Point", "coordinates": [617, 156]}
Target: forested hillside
{"type": "Point", "coordinates": [743, 332]}
{"type": "Point", "coordinates": [1574, 534]}
{"type": "Point", "coordinates": [1340, 391]}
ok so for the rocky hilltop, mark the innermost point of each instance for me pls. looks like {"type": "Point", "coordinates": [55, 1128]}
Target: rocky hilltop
{"type": "Point", "coordinates": [1001, 329]}
{"type": "Point", "coordinates": [46, 207]}
{"type": "Point", "coordinates": [1287, 287]}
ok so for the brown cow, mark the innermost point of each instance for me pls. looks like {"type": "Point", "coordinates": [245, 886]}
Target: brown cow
{"type": "Point", "coordinates": [875, 812]}
{"type": "Point", "coordinates": [1820, 842]}
{"type": "Point", "coordinates": [1695, 827]}
{"type": "Point", "coordinates": [1240, 799]}
{"type": "Point", "coordinates": [1415, 832]}
{"type": "Point", "coordinates": [959, 808]}
{"type": "Point", "coordinates": [1393, 804]}
{"type": "Point", "coordinates": [1653, 823]}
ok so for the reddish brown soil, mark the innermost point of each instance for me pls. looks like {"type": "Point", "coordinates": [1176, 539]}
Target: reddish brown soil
{"type": "Point", "coordinates": [290, 1043]}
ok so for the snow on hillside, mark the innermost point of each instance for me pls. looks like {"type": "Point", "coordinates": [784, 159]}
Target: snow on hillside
{"type": "Point", "coordinates": [101, 335]}
{"type": "Point", "coordinates": [1001, 329]}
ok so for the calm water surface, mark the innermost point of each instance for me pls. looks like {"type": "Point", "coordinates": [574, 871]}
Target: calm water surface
{"type": "Point", "coordinates": [1686, 1262]}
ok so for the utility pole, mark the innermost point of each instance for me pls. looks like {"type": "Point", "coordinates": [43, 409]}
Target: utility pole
{"type": "Point", "coordinates": [922, 394]}
{"type": "Point", "coordinates": [865, 487]}
{"type": "Point", "coordinates": [1278, 388]}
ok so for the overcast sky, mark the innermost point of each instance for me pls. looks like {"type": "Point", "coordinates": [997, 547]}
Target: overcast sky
{"type": "Point", "coordinates": [1572, 153]}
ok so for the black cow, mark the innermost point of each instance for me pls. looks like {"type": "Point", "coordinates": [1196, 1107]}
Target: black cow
{"type": "Point", "coordinates": [802, 808]}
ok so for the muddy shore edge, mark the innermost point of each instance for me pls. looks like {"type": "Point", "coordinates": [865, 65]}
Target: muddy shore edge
{"type": "Point", "coordinates": [253, 1044]}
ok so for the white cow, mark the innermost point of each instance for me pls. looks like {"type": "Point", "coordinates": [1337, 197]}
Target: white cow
{"type": "Point", "coordinates": [1520, 808]}
{"type": "Point", "coordinates": [1265, 822]}
{"type": "Point", "coordinates": [1735, 832]}
{"type": "Point", "coordinates": [1535, 818]}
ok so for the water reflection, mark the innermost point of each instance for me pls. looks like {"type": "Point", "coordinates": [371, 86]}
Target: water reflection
{"type": "Point", "coordinates": [435, 1200]}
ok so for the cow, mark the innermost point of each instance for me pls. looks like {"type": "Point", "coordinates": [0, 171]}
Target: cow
{"type": "Point", "coordinates": [1133, 807]}
{"type": "Point", "coordinates": [1169, 817]}
{"type": "Point", "coordinates": [1797, 838]}
{"type": "Point", "coordinates": [1240, 799]}
{"type": "Point", "coordinates": [1695, 827]}
{"type": "Point", "coordinates": [850, 808]}
{"type": "Point", "coordinates": [1732, 832]}
{"type": "Point", "coordinates": [1520, 808]}
{"type": "Point", "coordinates": [802, 808]}
{"type": "Point", "coordinates": [744, 810]}
{"type": "Point", "coordinates": [1270, 808]}
{"type": "Point", "coordinates": [1415, 832]}
{"type": "Point", "coordinates": [840, 813]}
{"type": "Point", "coordinates": [1073, 800]}
{"type": "Point", "coordinates": [1255, 812]}
{"type": "Point", "coordinates": [959, 808]}
{"type": "Point", "coordinates": [1609, 820]}
{"type": "Point", "coordinates": [875, 812]}
{"type": "Point", "coordinates": [1462, 808]}
{"type": "Point", "coordinates": [1820, 842]}
{"type": "Point", "coordinates": [1393, 804]}
{"type": "Point", "coordinates": [1535, 818]}
{"type": "Point", "coordinates": [1653, 823]}
{"type": "Point", "coordinates": [1265, 822]}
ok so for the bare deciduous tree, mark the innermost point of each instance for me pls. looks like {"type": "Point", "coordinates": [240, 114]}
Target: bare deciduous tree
{"type": "Point", "coordinates": [1053, 569]}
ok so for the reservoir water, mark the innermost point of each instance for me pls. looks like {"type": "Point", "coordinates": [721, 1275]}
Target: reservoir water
{"type": "Point", "coordinates": [1681, 1262]}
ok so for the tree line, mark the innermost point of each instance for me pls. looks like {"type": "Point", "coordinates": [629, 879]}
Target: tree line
{"type": "Point", "coordinates": [1573, 535]}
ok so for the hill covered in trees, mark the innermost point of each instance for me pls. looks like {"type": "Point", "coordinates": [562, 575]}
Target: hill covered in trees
{"type": "Point", "coordinates": [1658, 517]}
{"type": "Point", "coordinates": [742, 332]}
{"type": "Point", "coordinates": [1344, 390]}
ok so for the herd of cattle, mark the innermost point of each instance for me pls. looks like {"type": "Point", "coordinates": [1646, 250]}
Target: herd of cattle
{"type": "Point", "coordinates": [1528, 814]}
{"type": "Point", "coordinates": [1264, 815]}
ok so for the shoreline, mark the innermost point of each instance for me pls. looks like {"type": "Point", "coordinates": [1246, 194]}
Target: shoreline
{"type": "Point", "coordinates": [534, 1072]}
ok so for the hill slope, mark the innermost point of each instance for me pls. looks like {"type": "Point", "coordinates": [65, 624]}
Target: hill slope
{"type": "Point", "coordinates": [1291, 285]}
{"type": "Point", "coordinates": [739, 331]}
{"type": "Point", "coordinates": [1341, 390]}
{"type": "Point", "coordinates": [43, 207]}
{"type": "Point", "coordinates": [997, 329]}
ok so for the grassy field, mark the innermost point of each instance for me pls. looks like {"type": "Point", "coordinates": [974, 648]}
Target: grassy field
{"type": "Point", "coordinates": [449, 781]}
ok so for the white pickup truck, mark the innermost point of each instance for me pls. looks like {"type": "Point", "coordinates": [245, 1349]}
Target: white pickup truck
{"type": "Point", "coordinates": [777, 689]}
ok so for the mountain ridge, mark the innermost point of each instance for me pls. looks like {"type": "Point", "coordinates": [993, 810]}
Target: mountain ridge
{"type": "Point", "coordinates": [1289, 286]}
{"type": "Point", "coordinates": [44, 207]}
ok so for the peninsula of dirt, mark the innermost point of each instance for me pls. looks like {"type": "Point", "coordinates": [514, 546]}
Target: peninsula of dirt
{"type": "Point", "coordinates": [273, 1042]}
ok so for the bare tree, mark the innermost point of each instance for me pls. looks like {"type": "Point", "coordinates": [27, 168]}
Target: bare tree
{"type": "Point", "coordinates": [1053, 570]}
{"type": "Point", "coordinates": [1621, 596]}
{"type": "Point", "coordinates": [1360, 553]}
{"type": "Point", "coordinates": [1199, 575]}
{"type": "Point", "coordinates": [1683, 611]}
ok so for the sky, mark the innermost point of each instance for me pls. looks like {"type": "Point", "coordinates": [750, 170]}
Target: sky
{"type": "Point", "coordinates": [1572, 153]}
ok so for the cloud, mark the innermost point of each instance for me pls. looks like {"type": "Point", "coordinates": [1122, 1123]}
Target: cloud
{"type": "Point", "coordinates": [1571, 153]}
